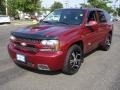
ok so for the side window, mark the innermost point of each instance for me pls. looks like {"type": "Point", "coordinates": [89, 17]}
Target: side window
{"type": "Point", "coordinates": [101, 16]}
{"type": "Point", "coordinates": [92, 16]}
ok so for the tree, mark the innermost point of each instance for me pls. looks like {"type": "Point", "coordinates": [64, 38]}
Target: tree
{"type": "Point", "coordinates": [31, 6]}
{"type": "Point", "coordinates": [13, 7]}
{"type": "Point", "coordinates": [103, 4]}
{"type": "Point", "coordinates": [56, 5]}
{"type": "Point", "coordinates": [85, 5]}
{"type": "Point", "coordinates": [118, 11]}
{"type": "Point", "coordinates": [28, 6]}
{"type": "Point", "coordinates": [2, 7]}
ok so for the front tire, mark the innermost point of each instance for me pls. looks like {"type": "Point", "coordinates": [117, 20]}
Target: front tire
{"type": "Point", "coordinates": [73, 60]}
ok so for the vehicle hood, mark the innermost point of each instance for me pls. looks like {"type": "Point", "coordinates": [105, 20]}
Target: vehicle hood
{"type": "Point", "coordinates": [43, 31]}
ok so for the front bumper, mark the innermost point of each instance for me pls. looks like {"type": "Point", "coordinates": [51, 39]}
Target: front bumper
{"type": "Point", "coordinates": [43, 60]}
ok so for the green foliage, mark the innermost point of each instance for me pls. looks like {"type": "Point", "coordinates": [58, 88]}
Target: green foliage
{"type": "Point", "coordinates": [2, 7]}
{"type": "Point", "coordinates": [56, 5]}
{"type": "Point", "coordinates": [103, 4]}
{"type": "Point", "coordinates": [85, 5]}
{"type": "Point", "coordinates": [118, 11]}
{"type": "Point", "coordinates": [29, 6]}
{"type": "Point", "coordinates": [32, 5]}
{"type": "Point", "coordinates": [99, 3]}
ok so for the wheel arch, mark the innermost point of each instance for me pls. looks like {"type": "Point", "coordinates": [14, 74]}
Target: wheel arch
{"type": "Point", "coordinates": [80, 43]}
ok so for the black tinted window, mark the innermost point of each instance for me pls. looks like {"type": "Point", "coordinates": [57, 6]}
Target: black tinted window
{"type": "Point", "coordinates": [92, 16]}
{"type": "Point", "coordinates": [72, 17]}
{"type": "Point", "coordinates": [101, 16]}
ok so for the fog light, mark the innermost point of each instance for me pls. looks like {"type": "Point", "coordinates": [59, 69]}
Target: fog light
{"type": "Point", "coordinates": [30, 64]}
{"type": "Point", "coordinates": [43, 67]}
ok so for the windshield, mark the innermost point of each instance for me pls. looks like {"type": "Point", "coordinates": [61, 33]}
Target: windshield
{"type": "Point", "coordinates": [68, 17]}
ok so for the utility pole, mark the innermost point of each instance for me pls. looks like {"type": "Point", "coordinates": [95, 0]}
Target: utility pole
{"type": "Point", "coordinates": [6, 8]}
{"type": "Point", "coordinates": [66, 4]}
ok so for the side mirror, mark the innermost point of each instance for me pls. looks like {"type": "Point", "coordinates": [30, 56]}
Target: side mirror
{"type": "Point", "coordinates": [91, 23]}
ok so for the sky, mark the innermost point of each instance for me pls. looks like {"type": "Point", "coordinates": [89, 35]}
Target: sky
{"type": "Point", "coordinates": [72, 3]}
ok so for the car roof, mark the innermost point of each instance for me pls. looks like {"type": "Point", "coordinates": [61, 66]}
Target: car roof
{"type": "Point", "coordinates": [86, 9]}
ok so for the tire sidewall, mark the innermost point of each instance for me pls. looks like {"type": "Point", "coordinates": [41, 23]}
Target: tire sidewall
{"type": "Point", "coordinates": [109, 36]}
{"type": "Point", "coordinates": [66, 68]}
{"type": "Point", "coordinates": [105, 46]}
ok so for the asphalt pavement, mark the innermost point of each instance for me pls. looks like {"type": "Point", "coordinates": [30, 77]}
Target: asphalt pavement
{"type": "Point", "coordinates": [100, 70]}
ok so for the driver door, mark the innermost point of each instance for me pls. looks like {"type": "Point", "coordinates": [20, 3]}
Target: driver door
{"type": "Point", "coordinates": [91, 32]}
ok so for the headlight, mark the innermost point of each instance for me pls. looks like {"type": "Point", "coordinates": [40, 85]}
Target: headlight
{"type": "Point", "coordinates": [50, 45]}
{"type": "Point", "coordinates": [12, 38]}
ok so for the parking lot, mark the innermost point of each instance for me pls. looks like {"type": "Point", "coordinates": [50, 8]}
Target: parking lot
{"type": "Point", "coordinates": [100, 70]}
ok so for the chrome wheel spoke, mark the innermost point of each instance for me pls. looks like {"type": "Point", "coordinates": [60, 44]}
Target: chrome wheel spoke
{"type": "Point", "coordinates": [73, 54]}
{"type": "Point", "coordinates": [77, 56]}
{"type": "Point", "coordinates": [75, 62]}
{"type": "Point", "coordinates": [72, 61]}
{"type": "Point", "coordinates": [108, 41]}
{"type": "Point", "coordinates": [73, 65]}
{"type": "Point", "coordinates": [78, 60]}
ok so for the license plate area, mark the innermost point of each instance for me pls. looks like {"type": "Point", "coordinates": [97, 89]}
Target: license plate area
{"type": "Point", "coordinates": [20, 58]}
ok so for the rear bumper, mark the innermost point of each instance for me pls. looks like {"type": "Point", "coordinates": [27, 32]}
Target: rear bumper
{"type": "Point", "coordinates": [54, 60]}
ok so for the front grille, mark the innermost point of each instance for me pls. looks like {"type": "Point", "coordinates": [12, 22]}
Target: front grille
{"type": "Point", "coordinates": [30, 47]}
{"type": "Point", "coordinates": [27, 48]}
{"type": "Point", "coordinates": [28, 40]}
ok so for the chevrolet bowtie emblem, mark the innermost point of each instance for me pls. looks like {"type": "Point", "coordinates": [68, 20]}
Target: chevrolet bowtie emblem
{"type": "Point", "coordinates": [23, 44]}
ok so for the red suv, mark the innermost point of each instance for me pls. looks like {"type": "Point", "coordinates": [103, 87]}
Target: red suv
{"type": "Point", "coordinates": [61, 39]}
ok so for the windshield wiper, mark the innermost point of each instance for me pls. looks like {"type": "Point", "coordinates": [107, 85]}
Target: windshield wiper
{"type": "Point", "coordinates": [63, 23]}
{"type": "Point", "coordinates": [47, 22]}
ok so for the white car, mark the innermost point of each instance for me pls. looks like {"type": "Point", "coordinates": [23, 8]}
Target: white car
{"type": "Point", "coordinates": [27, 17]}
{"type": "Point", "coordinates": [115, 18]}
{"type": "Point", "coordinates": [4, 19]}
{"type": "Point", "coordinates": [41, 17]}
